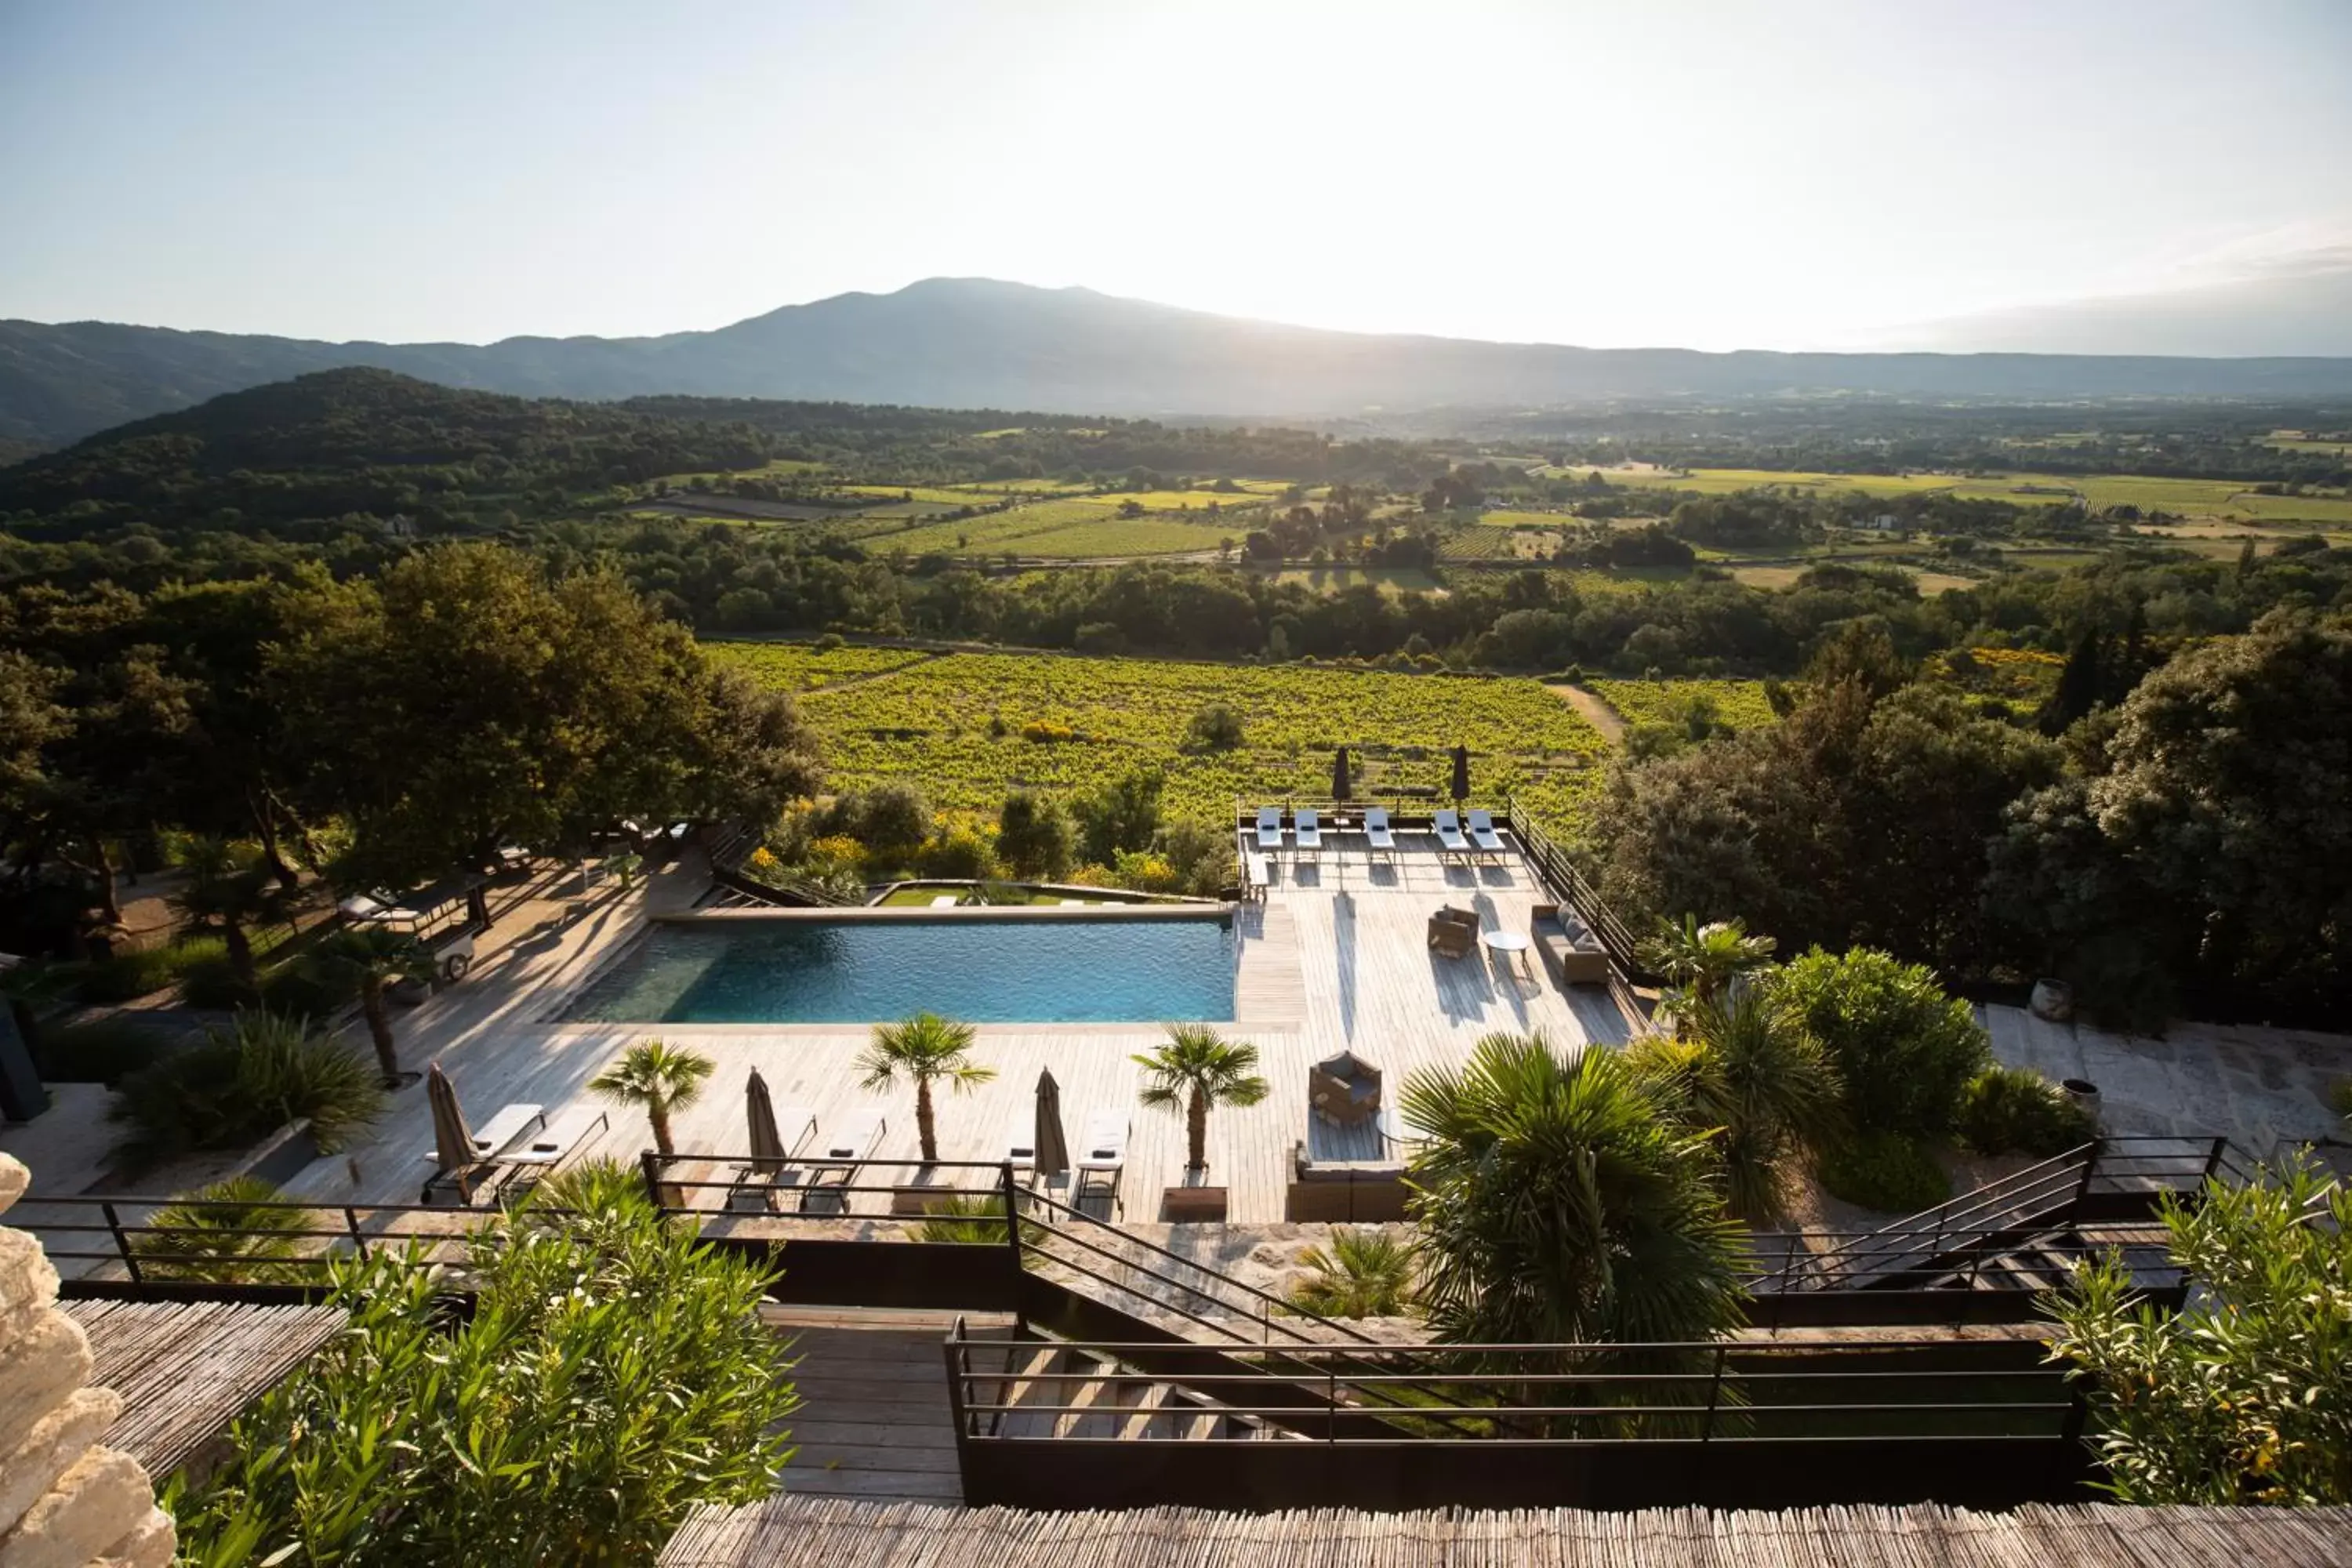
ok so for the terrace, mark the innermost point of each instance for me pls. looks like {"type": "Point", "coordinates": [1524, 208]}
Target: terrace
{"type": "Point", "coordinates": [1335, 957]}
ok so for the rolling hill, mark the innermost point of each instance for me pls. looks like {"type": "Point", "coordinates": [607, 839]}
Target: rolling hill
{"type": "Point", "coordinates": [966, 343]}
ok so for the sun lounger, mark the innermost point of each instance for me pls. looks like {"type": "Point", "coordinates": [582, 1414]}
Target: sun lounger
{"type": "Point", "coordinates": [754, 1191]}
{"type": "Point", "coordinates": [1269, 827]}
{"type": "Point", "coordinates": [1449, 834]}
{"type": "Point", "coordinates": [1306, 830]}
{"type": "Point", "coordinates": [510, 1124]}
{"type": "Point", "coordinates": [1378, 837]}
{"type": "Point", "coordinates": [840, 1154]}
{"type": "Point", "coordinates": [1102, 1157]}
{"type": "Point", "coordinates": [1482, 834]}
{"type": "Point", "coordinates": [1257, 873]}
{"type": "Point", "coordinates": [542, 1153]}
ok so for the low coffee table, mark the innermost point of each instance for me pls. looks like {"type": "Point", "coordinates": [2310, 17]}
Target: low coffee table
{"type": "Point", "coordinates": [1516, 942]}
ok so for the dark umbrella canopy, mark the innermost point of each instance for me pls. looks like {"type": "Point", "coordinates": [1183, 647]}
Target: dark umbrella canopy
{"type": "Point", "coordinates": [1341, 782]}
{"type": "Point", "coordinates": [453, 1140]}
{"type": "Point", "coordinates": [1461, 772]}
{"type": "Point", "coordinates": [767, 1146]}
{"type": "Point", "coordinates": [1053, 1149]}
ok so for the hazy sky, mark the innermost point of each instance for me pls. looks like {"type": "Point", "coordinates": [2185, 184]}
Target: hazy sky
{"type": "Point", "coordinates": [1779, 174]}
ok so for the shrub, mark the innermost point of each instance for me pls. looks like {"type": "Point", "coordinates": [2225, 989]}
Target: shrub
{"type": "Point", "coordinates": [1146, 870]}
{"type": "Point", "coordinates": [211, 983]}
{"type": "Point", "coordinates": [891, 819]}
{"type": "Point", "coordinates": [133, 973]}
{"type": "Point", "coordinates": [1033, 835]}
{"type": "Point", "coordinates": [1905, 1049]}
{"type": "Point", "coordinates": [835, 854]}
{"type": "Point", "coordinates": [969, 1221]}
{"type": "Point", "coordinates": [229, 1232]}
{"type": "Point", "coordinates": [243, 1083]}
{"type": "Point", "coordinates": [1363, 1274]}
{"type": "Point", "coordinates": [614, 1374]}
{"type": "Point", "coordinates": [2006, 1109]}
{"type": "Point", "coordinates": [1217, 727]}
{"type": "Point", "coordinates": [1884, 1171]}
{"type": "Point", "coordinates": [102, 1050]}
{"type": "Point", "coordinates": [961, 852]}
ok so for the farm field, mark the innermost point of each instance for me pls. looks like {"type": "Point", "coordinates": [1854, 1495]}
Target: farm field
{"type": "Point", "coordinates": [1740, 703]}
{"type": "Point", "coordinates": [2188, 497]}
{"type": "Point", "coordinates": [956, 723]}
{"type": "Point", "coordinates": [804, 667]}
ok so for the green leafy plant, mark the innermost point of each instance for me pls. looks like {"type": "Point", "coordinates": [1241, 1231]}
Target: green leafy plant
{"type": "Point", "coordinates": [969, 1220]}
{"type": "Point", "coordinates": [244, 1082]}
{"type": "Point", "coordinates": [2240, 1397]}
{"type": "Point", "coordinates": [1904, 1048]}
{"type": "Point", "coordinates": [613, 1373]}
{"type": "Point", "coordinates": [2006, 1109]}
{"type": "Point", "coordinates": [234, 1232]}
{"type": "Point", "coordinates": [1747, 1075]}
{"type": "Point", "coordinates": [925, 1049]}
{"type": "Point", "coordinates": [1196, 1071]}
{"type": "Point", "coordinates": [230, 888]}
{"type": "Point", "coordinates": [1884, 1171]}
{"type": "Point", "coordinates": [1558, 1203]}
{"type": "Point", "coordinates": [658, 1077]}
{"type": "Point", "coordinates": [1362, 1273]}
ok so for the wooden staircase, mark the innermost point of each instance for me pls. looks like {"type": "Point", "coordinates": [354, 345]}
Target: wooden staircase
{"type": "Point", "coordinates": [1053, 1390]}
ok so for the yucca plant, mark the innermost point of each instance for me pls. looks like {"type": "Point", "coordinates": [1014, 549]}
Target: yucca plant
{"type": "Point", "coordinates": [1362, 1273]}
{"type": "Point", "coordinates": [927, 1049]}
{"type": "Point", "coordinates": [978, 1218]}
{"type": "Point", "coordinates": [229, 1232]}
{"type": "Point", "coordinates": [1747, 1075]}
{"type": "Point", "coordinates": [658, 1076]}
{"type": "Point", "coordinates": [1196, 1071]}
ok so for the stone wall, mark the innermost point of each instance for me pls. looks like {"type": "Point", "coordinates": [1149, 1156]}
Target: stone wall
{"type": "Point", "coordinates": [66, 1501]}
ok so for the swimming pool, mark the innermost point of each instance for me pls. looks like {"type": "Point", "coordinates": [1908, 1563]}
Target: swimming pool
{"type": "Point", "coordinates": [981, 971]}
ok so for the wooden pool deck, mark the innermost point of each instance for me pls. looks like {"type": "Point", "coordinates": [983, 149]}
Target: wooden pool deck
{"type": "Point", "coordinates": [1335, 957]}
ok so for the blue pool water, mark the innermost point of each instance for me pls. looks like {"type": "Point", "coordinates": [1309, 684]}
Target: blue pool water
{"type": "Point", "coordinates": [984, 972]}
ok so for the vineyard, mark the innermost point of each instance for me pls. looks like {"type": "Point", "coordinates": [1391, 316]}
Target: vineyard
{"type": "Point", "coordinates": [1738, 703]}
{"type": "Point", "coordinates": [955, 724]}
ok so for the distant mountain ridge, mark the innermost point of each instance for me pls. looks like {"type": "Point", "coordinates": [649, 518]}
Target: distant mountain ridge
{"type": "Point", "coordinates": [977, 342]}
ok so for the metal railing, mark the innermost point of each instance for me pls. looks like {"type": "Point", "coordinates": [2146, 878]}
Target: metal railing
{"type": "Point", "coordinates": [1705, 1391]}
{"type": "Point", "coordinates": [1993, 1219]}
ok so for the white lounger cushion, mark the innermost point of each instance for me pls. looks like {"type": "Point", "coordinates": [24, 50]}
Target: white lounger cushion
{"type": "Point", "coordinates": [1269, 827]}
{"type": "Point", "coordinates": [1104, 1148]}
{"type": "Point", "coordinates": [851, 1136]}
{"type": "Point", "coordinates": [1482, 829]}
{"type": "Point", "coordinates": [1309, 829]}
{"type": "Point", "coordinates": [1449, 831]}
{"type": "Point", "coordinates": [1376, 828]}
{"type": "Point", "coordinates": [510, 1123]}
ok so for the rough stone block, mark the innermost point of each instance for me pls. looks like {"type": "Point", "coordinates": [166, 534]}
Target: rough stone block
{"type": "Point", "coordinates": [38, 1371]}
{"type": "Point", "coordinates": [14, 1180]}
{"type": "Point", "coordinates": [29, 1281]}
{"type": "Point", "coordinates": [54, 1443]}
{"type": "Point", "coordinates": [97, 1503]}
{"type": "Point", "coordinates": [152, 1545]}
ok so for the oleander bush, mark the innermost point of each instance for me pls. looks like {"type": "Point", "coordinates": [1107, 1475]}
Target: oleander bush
{"type": "Point", "coordinates": [1884, 1171]}
{"type": "Point", "coordinates": [2007, 1111]}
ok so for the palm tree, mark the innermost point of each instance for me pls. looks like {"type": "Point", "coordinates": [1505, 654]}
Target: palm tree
{"type": "Point", "coordinates": [1365, 1273]}
{"type": "Point", "coordinates": [230, 888]}
{"type": "Point", "coordinates": [1197, 1070]}
{"type": "Point", "coordinates": [230, 1233]}
{"type": "Point", "coordinates": [1746, 1073]}
{"type": "Point", "coordinates": [661, 1078]}
{"type": "Point", "coordinates": [925, 1048]}
{"type": "Point", "coordinates": [372, 960]}
{"type": "Point", "coordinates": [1557, 1204]}
{"type": "Point", "coordinates": [1702, 959]}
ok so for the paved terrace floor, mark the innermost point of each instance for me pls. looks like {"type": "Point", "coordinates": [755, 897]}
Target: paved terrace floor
{"type": "Point", "coordinates": [1335, 956]}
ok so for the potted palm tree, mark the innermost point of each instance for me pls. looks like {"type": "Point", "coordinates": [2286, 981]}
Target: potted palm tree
{"type": "Point", "coordinates": [1196, 1071]}
{"type": "Point", "coordinates": [660, 1077]}
{"type": "Point", "coordinates": [924, 1049]}
{"type": "Point", "coordinates": [372, 960]}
